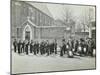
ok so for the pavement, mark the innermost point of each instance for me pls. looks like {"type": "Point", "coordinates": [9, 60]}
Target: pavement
{"type": "Point", "coordinates": [42, 63]}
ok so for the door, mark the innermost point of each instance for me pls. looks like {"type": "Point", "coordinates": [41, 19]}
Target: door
{"type": "Point", "coordinates": [27, 35]}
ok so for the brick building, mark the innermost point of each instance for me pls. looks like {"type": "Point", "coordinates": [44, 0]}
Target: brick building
{"type": "Point", "coordinates": [30, 22]}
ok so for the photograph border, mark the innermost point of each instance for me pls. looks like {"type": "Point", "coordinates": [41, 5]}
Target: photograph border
{"type": "Point", "coordinates": [59, 4]}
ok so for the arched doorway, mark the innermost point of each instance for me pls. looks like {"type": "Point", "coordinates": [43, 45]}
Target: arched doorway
{"type": "Point", "coordinates": [27, 33]}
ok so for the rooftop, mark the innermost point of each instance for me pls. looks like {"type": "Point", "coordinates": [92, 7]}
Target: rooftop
{"type": "Point", "coordinates": [42, 7]}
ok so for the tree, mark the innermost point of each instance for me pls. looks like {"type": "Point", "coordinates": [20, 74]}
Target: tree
{"type": "Point", "coordinates": [68, 20]}
{"type": "Point", "coordinates": [67, 15]}
{"type": "Point", "coordinates": [86, 19]}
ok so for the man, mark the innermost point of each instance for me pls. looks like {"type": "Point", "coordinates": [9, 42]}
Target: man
{"type": "Point", "coordinates": [72, 45]}
{"type": "Point", "coordinates": [76, 45]}
{"type": "Point", "coordinates": [92, 47]}
{"type": "Point", "coordinates": [63, 48]}
{"type": "Point", "coordinates": [27, 47]}
{"type": "Point", "coordinates": [31, 46]}
{"type": "Point", "coordinates": [19, 47]}
{"type": "Point", "coordinates": [85, 49]}
{"type": "Point", "coordinates": [47, 47]}
{"type": "Point", "coordinates": [55, 46]}
{"type": "Point", "coordinates": [50, 45]}
{"type": "Point", "coordinates": [68, 46]}
{"type": "Point", "coordinates": [52, 48]}
{"type": "Point", "coordinates": [42, 48]}
{"type": "Point", "coordinates": [34, 48]}
{"type": "Point", "coordinates": [23, 46]}
{"type": "Point", "coordinates": [80, 48]}
{"type": "Point", "coordinates": [37, 47]}
{"type": "Point", "coordinates": [15, 45]}
{"type": "Point", "coordinates": [21, 50]}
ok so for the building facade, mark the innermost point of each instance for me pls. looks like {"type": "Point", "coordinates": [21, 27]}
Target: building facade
{"type": "Point", "coordinates": [28, 22]}
{"type": "Point", "coordinates": [26, 19]}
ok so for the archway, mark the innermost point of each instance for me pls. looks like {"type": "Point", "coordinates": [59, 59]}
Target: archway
{"type": "Point", "coordinates": [27, 33]}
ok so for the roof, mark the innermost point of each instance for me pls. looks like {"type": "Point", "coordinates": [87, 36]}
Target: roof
{"type": "Point", "coordinates": [42, 7]}
{"type": "Point", "coordinates": [59, 22]}
{"type": "Point", "coordinates": [28, 21]}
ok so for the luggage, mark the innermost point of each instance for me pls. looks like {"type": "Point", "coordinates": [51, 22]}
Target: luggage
{"type": "Point", "coordinates": [67, 46]}
{"type": "Point", "coordinates": [84, 49]}
{"type": "Point", "coordinates": [70, 54]}
{"type": "Point", "coordinates": [79, 49]}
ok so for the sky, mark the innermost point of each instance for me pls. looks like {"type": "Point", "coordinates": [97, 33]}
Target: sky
{"type": "Point", "coordinates": [78, 13]}
{"type": "Point", "coordinates": [58, 10]}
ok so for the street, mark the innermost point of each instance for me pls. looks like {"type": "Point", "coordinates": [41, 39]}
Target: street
{"type": "Point", "coordinates": [31, 63]}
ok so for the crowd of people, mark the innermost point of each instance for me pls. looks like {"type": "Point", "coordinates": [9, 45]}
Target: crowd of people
{"type": "Point", "coordinates": [70, 47]}
{"type": "Point", "coordinates": [35, 47]}
{"type": "Point", "coordinates": [81, 47]}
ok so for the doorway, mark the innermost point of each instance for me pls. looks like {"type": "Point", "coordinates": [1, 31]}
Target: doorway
{"type": "Point", "coordinates": [27, 35]}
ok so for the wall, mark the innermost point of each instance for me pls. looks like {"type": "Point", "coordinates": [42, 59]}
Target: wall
{"type": "Point", "coordinates": [21, 12]}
